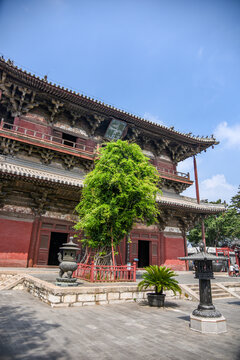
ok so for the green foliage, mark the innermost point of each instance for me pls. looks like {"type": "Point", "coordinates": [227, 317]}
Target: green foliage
{"type": "Point", "coordinates": [121, 189]}
{"type": "Point", "coordinates": [161, 278]}
{"type": "Point", "coordinates": [235, 201]}
{"type": "Point", "coordinates": [219, 228]}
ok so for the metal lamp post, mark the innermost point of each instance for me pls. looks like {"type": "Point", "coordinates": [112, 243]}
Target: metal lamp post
{"type": "Point", "coordinates": [205, 318]}
{"type": "Point", "coordinates": [68, 263]}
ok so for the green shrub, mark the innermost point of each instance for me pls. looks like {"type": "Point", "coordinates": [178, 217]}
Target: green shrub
{"type": "Point", "coordinates": [161, 278]}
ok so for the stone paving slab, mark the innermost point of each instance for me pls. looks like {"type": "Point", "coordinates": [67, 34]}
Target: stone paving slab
{"type": "Point", "coordinates": [31, 330]}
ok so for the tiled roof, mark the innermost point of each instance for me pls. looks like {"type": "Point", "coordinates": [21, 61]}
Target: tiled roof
{"type": "Point", "coordinates": [40, 174]}
{"type": "Point", "coordinates": [96, 105]}
{"type": "Point", "coordinates": [168, 200]}
{"type": "Point", "coordinates": [175, 200]}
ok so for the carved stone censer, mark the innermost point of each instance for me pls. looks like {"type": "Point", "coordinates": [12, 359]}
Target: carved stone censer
{"type": "Point", "coordinates": [68, 264]}
{"type": "Point", "coordinates": [205, 318]}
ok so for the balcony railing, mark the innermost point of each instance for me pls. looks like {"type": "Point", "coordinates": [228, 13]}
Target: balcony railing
{"type": "Point", "coordinates": [68, 144]}
{"type": "Point", "coordinates": [173, 173]}
{"type": "Point", "coordinates": [53, 139]}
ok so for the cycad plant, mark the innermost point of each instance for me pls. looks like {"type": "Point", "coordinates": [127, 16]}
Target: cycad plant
{"type": "Point", "coordinates": [161, 277]}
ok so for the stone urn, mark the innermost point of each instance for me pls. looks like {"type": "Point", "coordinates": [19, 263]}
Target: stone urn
{"type": "Point", "coordinates": [68, 264]}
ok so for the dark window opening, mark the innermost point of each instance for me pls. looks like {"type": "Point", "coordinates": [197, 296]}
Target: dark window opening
{"type": "Point", "coordinates": [143, 253]}
{"type": "Point", "coordinates": [10, 121]}
{"type": "Point", "coordinates": [69, 140]}
{"type": "Point", "coordinates": [56, 241]}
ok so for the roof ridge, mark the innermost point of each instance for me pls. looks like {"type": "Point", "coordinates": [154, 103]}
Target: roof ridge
{"type": "Point", "coordinates": [171, 129]}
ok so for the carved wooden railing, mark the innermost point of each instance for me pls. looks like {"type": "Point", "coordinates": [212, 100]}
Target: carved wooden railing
{"type": "Point", "coordinates": [53, 139]}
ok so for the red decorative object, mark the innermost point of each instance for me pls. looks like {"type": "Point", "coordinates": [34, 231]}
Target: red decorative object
{"type": "Point", "coordinates": [104, 273]}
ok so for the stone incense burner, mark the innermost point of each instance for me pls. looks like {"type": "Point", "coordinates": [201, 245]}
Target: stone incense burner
{"type": "Point", "coordinates": [68, 264]}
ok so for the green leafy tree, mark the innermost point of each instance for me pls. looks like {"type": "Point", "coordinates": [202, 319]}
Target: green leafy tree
{"type": "Point", "coordinates": [219, 229]}
{"type": "Point", "coordinates": [120, 190]}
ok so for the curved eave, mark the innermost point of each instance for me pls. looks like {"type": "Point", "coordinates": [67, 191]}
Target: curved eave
{"type": "Point", "coordinates": [180, 202]}
{"type": "Point", "coordinates": [38, 176]}
{"type": "Point", "coordinates": [198, 208]}
{"type": "Point", "coordinates": [96, 105]}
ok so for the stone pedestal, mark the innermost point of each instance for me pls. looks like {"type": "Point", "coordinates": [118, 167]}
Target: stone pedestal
{"type": "Point", "coordinates": [208, 325]}
{"type": "Point", "coordinates": [64, 281]}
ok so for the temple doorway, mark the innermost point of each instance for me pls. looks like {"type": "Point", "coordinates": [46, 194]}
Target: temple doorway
{"type": "Point", "coordinates": [56, 241]}
{"type": "Point", "coordinates": [143, 253]}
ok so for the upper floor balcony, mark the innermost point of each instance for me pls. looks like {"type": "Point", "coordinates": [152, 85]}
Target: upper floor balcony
{"type": "Point", "coordinates": [55, 139]}
{"type": "Point", "coordinates": [48, 138]}
{"type": "Point", "coordinates": [174, 175]}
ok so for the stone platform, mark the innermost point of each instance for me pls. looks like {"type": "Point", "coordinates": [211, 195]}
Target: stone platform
{"type": "Point", "coordinates": [81, 295]}
{"type": "Point", "coordinates": [208, 325]}
{"type": "Point", "coordinates": [41, 283]}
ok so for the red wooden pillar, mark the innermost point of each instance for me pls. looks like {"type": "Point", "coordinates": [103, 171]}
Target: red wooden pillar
{"type": "Point", "coordinates": [185, 251]}
{"type": "Point", "coordinates": [134, 271]}
{"type": "Point", "coordinates": [198, 199]}
{"type": "Point", "coordinates": [92, 272]}
{"type": "Point", "coordinates": [37, 242]}
{"type": "Point", "coordinates": [33, 241]}
{"type": "Point", "coordinates": [162, 248]}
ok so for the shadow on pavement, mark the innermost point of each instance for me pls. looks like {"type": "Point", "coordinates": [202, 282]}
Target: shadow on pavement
{"type": "Point", "coordinates": [233, 302]}
{"type": "Point", "coordinates": [167, 304]}
{"type": "Point", "coordinates": [185, 318]}
{"type": "Point", "coordinates": [23, 336]}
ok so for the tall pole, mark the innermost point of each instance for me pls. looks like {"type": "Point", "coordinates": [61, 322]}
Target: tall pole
{"type": "Point", "coordinates": [113, 258]}
{"type": "Point", "coordinates": [198, 199]}
{"type": "Point", "coordinates": [196, 179]}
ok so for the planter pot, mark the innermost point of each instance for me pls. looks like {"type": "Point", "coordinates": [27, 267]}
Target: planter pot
{"type": "Point", "coordinates": [156, 299]}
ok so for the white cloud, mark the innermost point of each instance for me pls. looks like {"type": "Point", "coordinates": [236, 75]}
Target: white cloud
{"type": "Point", "coordinates": [153, 118]}
{"type": "Point", "coordinates": [185, 166]}
{"type": "Point", "coordinates": [213, 189]}
{"type": "Point", "coordinates": [230, 135]}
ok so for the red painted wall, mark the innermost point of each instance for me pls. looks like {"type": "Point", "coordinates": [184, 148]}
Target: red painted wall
{"type": "Point", "coordinates": [164, 164]}
{"type": "Point", "coordinates": [27, 124]}
{"type": "Point", "coordinates": [174, 248]}
{"type": "Point", "coordinates": [88, 144]}
{"type": "Point", "coordinates": [14, 242]}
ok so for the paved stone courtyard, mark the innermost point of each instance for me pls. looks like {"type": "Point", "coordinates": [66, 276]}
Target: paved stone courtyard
{"type": "Point", "coordinates": [50, 274]}
{"type": "Point", "coordinates": [31, 329]}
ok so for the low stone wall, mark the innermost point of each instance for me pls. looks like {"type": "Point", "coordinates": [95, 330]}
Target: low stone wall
{"type": "Point", "coordinates": [84, 295]}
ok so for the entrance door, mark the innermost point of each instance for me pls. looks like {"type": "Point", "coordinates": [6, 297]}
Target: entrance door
{"type": "Point", "coordinates": [56, 241]}
{"type": "Point", "coordinates": [143, 253]}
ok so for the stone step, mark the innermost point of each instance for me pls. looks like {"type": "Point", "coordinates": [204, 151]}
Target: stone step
{"type": "Point", "coordinates": [217, 291]}
{"type": "Point", "coordinates": [11, 282]}
{"type": "Point", "coordinates": [214, 291]}
{"type": "Point", "coordinates": [223, 295]}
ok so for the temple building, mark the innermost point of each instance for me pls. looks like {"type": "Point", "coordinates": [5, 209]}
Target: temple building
{"type": "Point", "coordinates": [49, 136]}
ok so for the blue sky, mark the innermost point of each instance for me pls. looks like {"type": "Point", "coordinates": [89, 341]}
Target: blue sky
{"type": "Point", "coordinates": [173, 62]}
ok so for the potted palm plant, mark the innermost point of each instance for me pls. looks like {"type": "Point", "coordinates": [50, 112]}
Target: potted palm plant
{"type": "Point", "coordinates": [161, 278]}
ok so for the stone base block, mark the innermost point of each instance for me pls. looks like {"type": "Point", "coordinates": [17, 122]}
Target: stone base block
{"type": "Point", "coordinates": [208, 325]}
